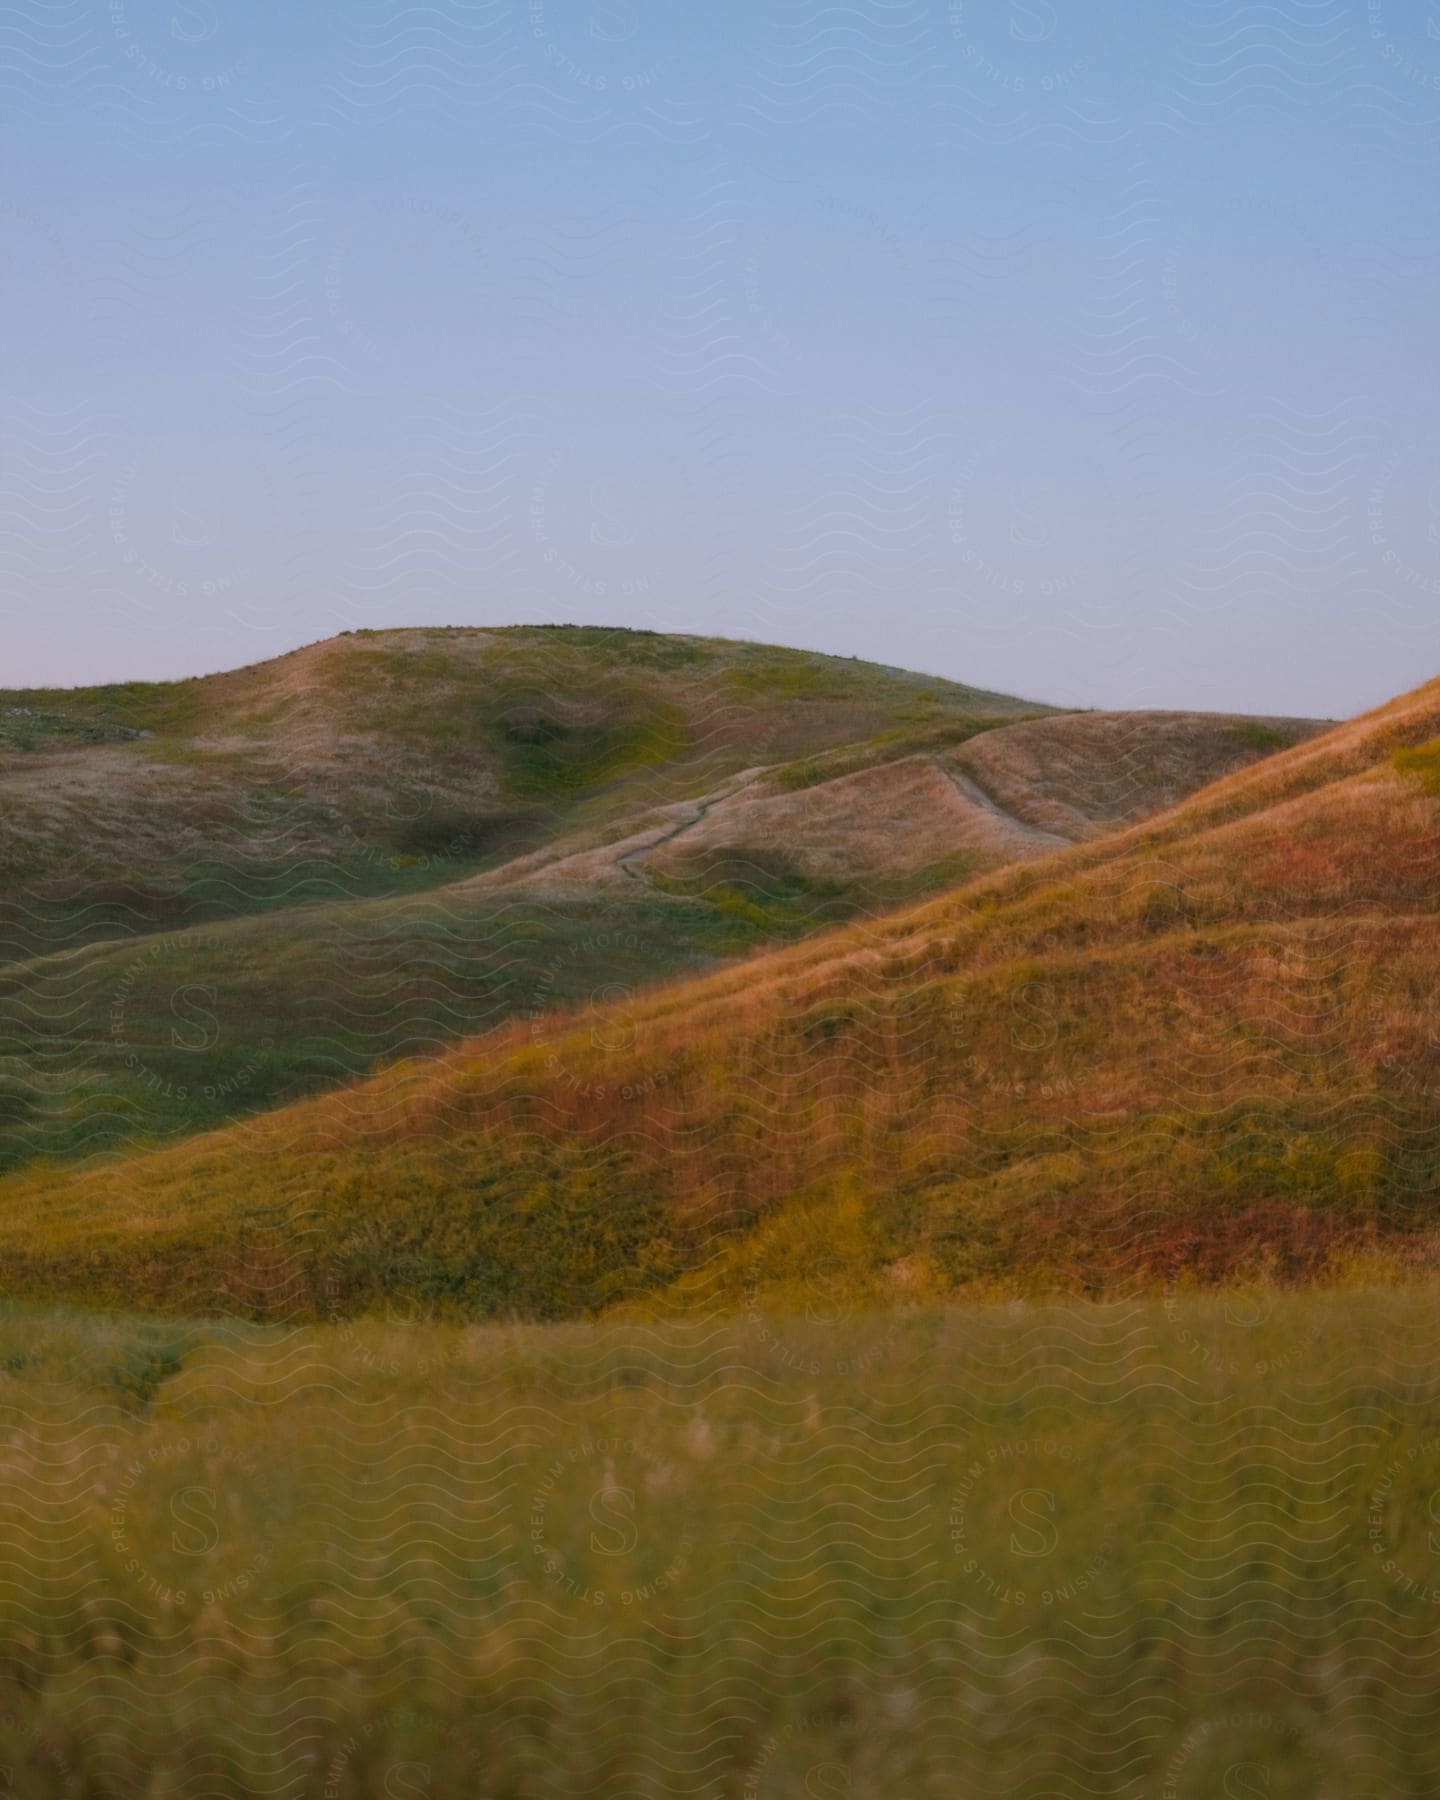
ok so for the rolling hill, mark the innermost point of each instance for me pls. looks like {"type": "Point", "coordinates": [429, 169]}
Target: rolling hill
{"type": "Point", "coordinates": [1200, 1048]}
{"type": "Point", "coordinates": [227, 894]}
{"type": "Point", "coordinates": [223, 893]}
{"type": "Point", "coordinates": [381, 762]}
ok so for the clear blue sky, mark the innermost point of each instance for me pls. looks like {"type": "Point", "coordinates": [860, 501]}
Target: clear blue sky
{"type": "Point", "coordinates": [1087, 352]}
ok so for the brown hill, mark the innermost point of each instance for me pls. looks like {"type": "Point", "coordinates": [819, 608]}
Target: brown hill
{"type": "Point", "coordinates": [226, 894]}
{"type": "Point", "coordinates": [1207, 1047]}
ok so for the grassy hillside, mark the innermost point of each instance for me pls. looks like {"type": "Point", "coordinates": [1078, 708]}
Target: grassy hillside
{"type": "Point", "coordinates": [224, 893]}
{"type": "Point", "coordinates": [385, 762]}
{"type": "Point", "coordinates": [1039, 1553]}
{"type": "Point", "coordinates": [480, 861]}
{"type": "Point", "coordinates": [1201, 1049]}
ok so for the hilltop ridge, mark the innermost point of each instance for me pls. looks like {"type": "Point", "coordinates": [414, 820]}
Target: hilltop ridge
{"type": "Point", "coordinates": [225, 894]}
{"type": "Point", "coordinates": [1201, 1047]}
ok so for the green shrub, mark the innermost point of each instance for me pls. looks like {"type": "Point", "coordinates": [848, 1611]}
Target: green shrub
{"type": "Point", "coordinates": [1262, 737]}
{"type": "Point", "coordinates": [1422, 764]}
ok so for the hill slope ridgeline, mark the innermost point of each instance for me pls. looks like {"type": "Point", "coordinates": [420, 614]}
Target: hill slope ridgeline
{"type": "Point", "coordinates": [387, 842]}
{"type": "Point", "coordinates": [1205, 1047]}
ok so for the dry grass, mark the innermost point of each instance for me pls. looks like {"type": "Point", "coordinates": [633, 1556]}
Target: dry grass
{"type": "Point", "coordinates": [1085, 774]}
{"type": "Point", "coordinates": [366, 756]}
{"type": "Point", "coordinates": [329, 861]}
{"type": "Point", "coordinates": [1053, 1550]}
{"type": "Point", "coordinates": [901, 815]}
{"type": "Point", "coordinates": [1208, 1043]}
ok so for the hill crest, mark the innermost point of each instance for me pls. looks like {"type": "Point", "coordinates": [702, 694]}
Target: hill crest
{"type": "Point", "coordinates": [1202, 1047]}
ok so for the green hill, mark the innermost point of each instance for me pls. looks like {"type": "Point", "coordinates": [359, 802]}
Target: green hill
{"type": "Point", "coordinates": [226, 892]}
{"type": "Point", "coordinates": [368, 850]}
{"type": "Point", "coordinates": [1195, 1049]}
{"type": "Point", "coordinates": [385, 762]}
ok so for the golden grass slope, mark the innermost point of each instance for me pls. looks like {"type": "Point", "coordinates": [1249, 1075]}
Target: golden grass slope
{"type": "Point", "coordinates": [227, 894]}
{"type": "Point", "coordinates": [1206, 1048]}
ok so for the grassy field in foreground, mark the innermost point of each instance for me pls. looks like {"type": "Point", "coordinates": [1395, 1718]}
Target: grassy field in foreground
{"type": "Point", "coordinates": [1173, 1551]}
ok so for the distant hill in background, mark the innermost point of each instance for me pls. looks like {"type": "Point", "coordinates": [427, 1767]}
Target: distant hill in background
{"type": "Point", "coordinates": [380, 761]}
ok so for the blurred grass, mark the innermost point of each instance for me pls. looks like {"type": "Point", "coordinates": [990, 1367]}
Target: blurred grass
{"type": "Point", "coordinates": [1020, 1552]}
{"type": "Point", "coordinates": [1421, 763]}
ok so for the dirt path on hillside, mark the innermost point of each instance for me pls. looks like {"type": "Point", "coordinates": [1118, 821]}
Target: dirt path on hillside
{"type": "Point", "coordinates": [598, 865]}
{"type": "Point", "coordinates": [969, 789]}
{"type": "Point", "coordinates": [629, 859]}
